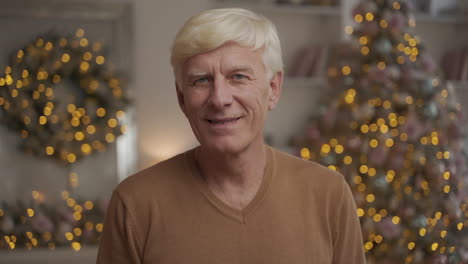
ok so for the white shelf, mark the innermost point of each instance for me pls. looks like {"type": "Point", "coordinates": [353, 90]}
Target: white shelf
{"type": "Point", "coordinates": [459, 85]}
{"type": "Point", "coordinates": [281, 8]}
{"type": "Point", "coordinates": [441, 19]}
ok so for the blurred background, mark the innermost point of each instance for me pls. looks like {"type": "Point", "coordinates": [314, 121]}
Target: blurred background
{"type": "Point", "coordinates": [114, 56]}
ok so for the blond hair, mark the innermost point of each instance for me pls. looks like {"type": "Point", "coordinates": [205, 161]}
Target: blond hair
{"type": "Point", "coordinates": [211, 29]}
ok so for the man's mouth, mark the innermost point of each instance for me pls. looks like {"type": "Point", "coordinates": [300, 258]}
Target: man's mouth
{"type": "Point", "coordinates": [223, 121]}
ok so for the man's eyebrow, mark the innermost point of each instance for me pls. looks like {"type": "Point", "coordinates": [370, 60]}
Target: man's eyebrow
{"type": "Point", "coordinates": [191, 75]}
{"type": "Point", "coordinates": [194, 75]}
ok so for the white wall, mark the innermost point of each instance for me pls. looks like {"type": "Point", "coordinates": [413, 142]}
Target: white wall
{"type": "Point", "coordinates": [162, 128]}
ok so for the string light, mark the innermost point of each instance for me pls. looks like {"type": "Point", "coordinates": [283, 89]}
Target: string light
{"type": "Point", "coordinates": [358, 18]}
{"type": "Point", "coordinates": [346, 70]}
{"type": "Point", "coordinates": [305, 153]}
{"type": "Point", "coordinates": [383, 23]}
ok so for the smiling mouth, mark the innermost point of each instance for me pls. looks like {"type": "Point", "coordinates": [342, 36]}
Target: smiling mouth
{"type": "Point", "coordinates": [223, 121]}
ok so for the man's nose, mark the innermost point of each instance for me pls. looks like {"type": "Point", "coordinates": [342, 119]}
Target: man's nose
{"type": "Point", "coordinates": [221, 93]}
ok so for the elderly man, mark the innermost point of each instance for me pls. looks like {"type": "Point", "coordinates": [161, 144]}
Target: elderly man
{"type": "Point", "coordinates": [232, 199]}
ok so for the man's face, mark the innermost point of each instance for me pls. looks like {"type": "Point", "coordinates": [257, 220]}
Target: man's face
{"type": "Point", "coordinates": [225, 94]}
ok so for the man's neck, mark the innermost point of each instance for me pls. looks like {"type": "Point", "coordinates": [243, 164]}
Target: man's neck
{"type": "Point", "coordinates": [233, 178]}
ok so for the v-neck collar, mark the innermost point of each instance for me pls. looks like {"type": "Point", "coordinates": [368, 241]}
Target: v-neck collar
{"type": "Point", "coordinates": [231, 212]}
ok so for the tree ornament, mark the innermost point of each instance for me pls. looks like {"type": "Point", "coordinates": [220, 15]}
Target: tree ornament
{"type": "Point", "coordinates": [383, 46]}
{"type": "Point", "coordinates": [427, 88]}
{"type": "Point", "coordinates": [430, 110]}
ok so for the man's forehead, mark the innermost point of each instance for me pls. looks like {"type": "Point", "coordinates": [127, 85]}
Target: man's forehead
{"type": "Point", "coordinates": [227, 53]}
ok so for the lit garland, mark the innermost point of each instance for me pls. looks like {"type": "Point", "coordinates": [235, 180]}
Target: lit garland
{"type": "Point", "coordinates": [60, 95]}
{"type": "Point", "coordinates": [73, 223]}
{"type": "Point", "coordinates": [396, 133]}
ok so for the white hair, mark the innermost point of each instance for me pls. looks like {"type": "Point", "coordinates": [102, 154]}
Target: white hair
{"type": "Point", "coordinates": [211, 29]}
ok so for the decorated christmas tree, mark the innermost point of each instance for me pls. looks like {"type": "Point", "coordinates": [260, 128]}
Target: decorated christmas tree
{"type": "Point", "coordinates": [391, 125]}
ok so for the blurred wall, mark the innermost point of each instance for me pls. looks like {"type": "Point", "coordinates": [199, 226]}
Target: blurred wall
{"type": "Point", "coordinates": [162, 128]}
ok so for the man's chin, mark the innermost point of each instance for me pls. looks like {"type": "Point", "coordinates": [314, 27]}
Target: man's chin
{"type": "Point", "coordinates": [226, 148]}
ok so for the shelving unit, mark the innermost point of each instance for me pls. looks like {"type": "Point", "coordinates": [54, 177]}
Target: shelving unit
{"type": "Point", "coordinates": [301, 25]}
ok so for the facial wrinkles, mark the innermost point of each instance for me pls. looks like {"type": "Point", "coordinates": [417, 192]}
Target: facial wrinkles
{"type": "Point", "coordinates": [222, 65]}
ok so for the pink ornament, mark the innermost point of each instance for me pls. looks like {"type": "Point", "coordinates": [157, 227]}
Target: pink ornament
{"type": "Point", "coordinates": [394, 72]}
{"type": "Point", "coordinates": [378, 156]}
{"type": "Point", "coordinates": [313, 134]}
{"type": "Point", "coordinates": [363, 112]}
{"type": "Point", "coordinates": [460, 163]}
{"type": "Point", "coordinates": [66, 214]}
{"type": "Point", "coordinates": [437, 259]}
{"type": "Point", "coordinates": [388, 230]}
{"type": "Point", "coordinates": [455, 130]}
{"type": "Point", "coordinates": [409, 76]}
{"type": "Point", "coordinates": [409, 212]}
{"type": "Point", "coordinates": [413, 127]}
{"type": "Point", "coordinates": [42, 223]}
{"type": "Point", "coordinates": [428, 64]}
{"type": "Point", "coordinates": [400, 148]}
{"type": "Point", "coordinates": [379, 75]}
{"type": "Point", "coordinates": [329, 118]}
{"type": "Point", "coordinates": [396, 162]}
{"type": "Point", "coordinates": [453, 207]}
{"type": "Point", "coordinates": [88, 234]}
{"type": "Point", "coordinates": [364, 83]}
{"type": "Point", "coordinates": [354, 143]}
{"type": "Point", "coordinates": [464, 254]}
{"type": "Point", "coordinates": [397, 22]}
{"type": "Point", "coordinates": [370, 28]}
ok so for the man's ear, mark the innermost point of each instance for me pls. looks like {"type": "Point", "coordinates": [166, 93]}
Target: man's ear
{"type": "Point", "coordinates": [180, 98]}
{"type": "Point", "coordinates": [276, 87]}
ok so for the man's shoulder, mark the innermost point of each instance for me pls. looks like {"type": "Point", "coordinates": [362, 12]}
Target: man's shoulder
{"type": "Point", "coordinates": [155, 177]}
{"type": "Point", "coordinates": [308, 169]}
{"type": "Point", "coordinates": [310, 180]}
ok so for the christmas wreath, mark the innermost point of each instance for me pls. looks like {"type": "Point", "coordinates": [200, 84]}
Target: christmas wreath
{"type": "Point", "coordinates": [61, 95]}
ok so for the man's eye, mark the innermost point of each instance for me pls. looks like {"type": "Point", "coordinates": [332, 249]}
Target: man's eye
{"type": "Point", "coordinates": [238, 76]}
{"type": "Point", "coordinates": [201, 80]}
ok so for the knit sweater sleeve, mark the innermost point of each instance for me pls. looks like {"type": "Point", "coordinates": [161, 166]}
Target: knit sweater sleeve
{"type": "Point", "coordinates": [347, 242]}
{"type": "Point", "coordinates": [119, 241]}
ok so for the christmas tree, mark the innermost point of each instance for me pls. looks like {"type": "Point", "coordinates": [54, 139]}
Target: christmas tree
{"type": "Point", "coordinates": [392, 127]}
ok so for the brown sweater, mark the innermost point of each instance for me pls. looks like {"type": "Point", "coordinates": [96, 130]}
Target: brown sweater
{"type": "Point", "coordinates": [302, 213]}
